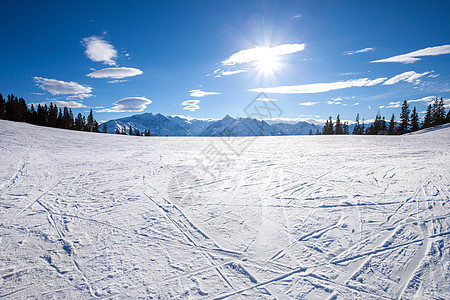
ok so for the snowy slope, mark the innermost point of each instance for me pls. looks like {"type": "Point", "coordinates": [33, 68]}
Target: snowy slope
{"type": "Point", "coordinates": [89, 215]}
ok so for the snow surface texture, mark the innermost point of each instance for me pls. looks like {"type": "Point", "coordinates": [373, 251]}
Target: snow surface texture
{"type": "Point", "coordinates": [89, 215]}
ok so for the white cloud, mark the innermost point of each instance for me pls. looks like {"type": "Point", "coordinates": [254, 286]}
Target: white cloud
{"type": "Point", "coordinates": [266, 99]}
{"type": "Point", "coordinates": [333, 102]}
{"type": "Point", "coordinates": [355, 104]}
{"type": "Point", "coordinates": [116, 73]}
{"type": "Point", "coordinates": [191, 105]}
{"type": "Point", "coordinates": [128, 104]}
{"type": "Point", "coordinates": [412, 57]}
{"type": "Point", "coordinates": [393, 104]}
{"type": "Point", "coordinates": [308, 103]}
{"type": "Point", "coordinates": [381, 106]}
{"type": "Point", "coordinates": [58, 87]}
{"type": "Point", "coordinates": [425, 101]}
{"type": "Point", "coordinates": [117, 81]}
{"type": "Point", "coordinates": [258, 53]}
{"type": "Point", "coordinates": [227, 73]}
{"type": "Point", "coordinates": [297, 16]}
{"type": "Point", "coordinates": [200, 93]}
{"type": "Point", "coordinates": [99, 50]}
{"type": "Point", "coordinates": [68, 104]}
{"type": "Point", "coordinates": [409, 76]}
{"type": "Point", "coordinates": [318, 87]}
{"type": "Point", "coordinates": [79, 96]}
{"type": "Point", "coordinates": [358, 51]}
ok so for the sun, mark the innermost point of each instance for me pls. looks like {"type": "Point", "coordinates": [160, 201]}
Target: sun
{"type": "Point", "coordinates": [267, 62]}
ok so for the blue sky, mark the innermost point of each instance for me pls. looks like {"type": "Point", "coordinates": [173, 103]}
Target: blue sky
{"type": "Point", "coordinates": [206, 59]}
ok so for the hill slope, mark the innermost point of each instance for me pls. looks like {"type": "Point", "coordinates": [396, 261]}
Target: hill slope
{"type": "Point", "coordinates": [87, 215]}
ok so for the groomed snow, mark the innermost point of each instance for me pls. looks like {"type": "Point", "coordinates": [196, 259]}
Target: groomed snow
{"type": "Point", "coordinates": [86, 215]}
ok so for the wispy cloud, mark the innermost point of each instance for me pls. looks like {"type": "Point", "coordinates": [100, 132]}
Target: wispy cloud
{"type": "Point", "coordinates": [99, 50]}
{"type": "Point", "coordinates": [409, 76]}
{"type": "Point", "coordinates": [227, 73]}
{"type": "Point", "coordinates": [319, 87]}
{"type": "Point", "coordinates": [79, 96]}
{"type": "Point", "coordinates": [265, 99]}
{"type": "Point", "coordinates": [353, 73]}
{"type": "Point", "coordinates": [191, 105]}
{"type": "Point", "coordinates": [297, 16]}
{"type": "Point", "coordinates": [117, 81]}
{"type": "Point", "coordinates": [116, 73]}
{"type": "Point", "coordinates": [129, 104]}
{"type": "Point", "coordinates": [308, 103]}
{"type": "Point", "coordinates": [200, 93]}
{"type": "Point", "coordinates": [412, 57]}
{"type": "Point", "coordinates": [424, 100]}
{"type": "Point", "coordinates": [393, 104]}
{"type": "Point", "coordinates": [68, 104]}
{"type": "Point", "coordinates": [258, 53]}
{"type": "Point", "coordinates": [358, 51]}
{"type": "Point", "coordinates": [59, 87]}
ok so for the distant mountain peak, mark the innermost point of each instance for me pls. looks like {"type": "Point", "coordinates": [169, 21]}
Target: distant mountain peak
{"type": "Point", "coordinates": [160, 125]}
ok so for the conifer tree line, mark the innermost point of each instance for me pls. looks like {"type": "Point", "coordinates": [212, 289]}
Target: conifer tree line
{"type": "Point", "coordinates": [409, 122]}
{"type": "Point", "coordinates": [16, 109]}
{"type": "Point", "coordinates": [131, 131]}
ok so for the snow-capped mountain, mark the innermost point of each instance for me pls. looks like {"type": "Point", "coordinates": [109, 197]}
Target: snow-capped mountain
{"type": "Point", "coordinates": [296, 129]}
{"type": "Point", "coordinates": [229, 126]}
{"type": "Point", "coordinates": [160, 125]}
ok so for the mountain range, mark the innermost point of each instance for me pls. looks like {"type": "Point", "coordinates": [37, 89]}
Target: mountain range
{"type": "Point", "coordinates": [160, 125]}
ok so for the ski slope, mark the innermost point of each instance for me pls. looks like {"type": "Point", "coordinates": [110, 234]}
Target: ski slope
{"type": "Point", "coordinates": [88, 215]}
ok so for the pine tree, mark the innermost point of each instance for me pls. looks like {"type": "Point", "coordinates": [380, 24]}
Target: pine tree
{"type": "Point", "coordinates": [427, 120]}
{"type": "Point", "coordinates": [71, 119]}
{"type": "Point", "coordinates": [318, 132]}
{"type": "Point", "coordinates": [310, 132]}
{"type": "Point", "coordinates": [33, 115]}
{"type": "Point", "coordinates": [345, 129]}
{"type": "Point", "coordinates": [414, 120]}
{"type": "Point", "coordinates": [117, 131]}
{"type": "Point", "coordinates": [90, 126]}
{"type": "Point", "coordinates": [59, 120]}
{"type": "Point", "coordinates": [383, 126]}
{"type": "Point", "coordinates": [357, 129]}
{"type": "Point", "coordinates": [2, 107]}
{"type": "Point", "coordinates": [41, 115]}
{"type": "Point", "coordinates": [52, 115]}
{"type": "Point", "coordinates": [338, 126]}
{"type": "Point", "coordinates": [328, 128]}
{"type": "Point", "coordinates": [131, 130]}
{"type": "Point", "coordinates": [22, 110]}
{"type": "Point", "coordinates": [404, 118]}
{"type": "Point", "coordinates": [392, 129]}
{"type": "Point", "coordinates": [448, 117]}
{"type": "Point", "coordinates": [79, 122]}
{"type": "Point", "coordinates": [105, 128]}
{"type": "Point", "coordinates": [438, 112]}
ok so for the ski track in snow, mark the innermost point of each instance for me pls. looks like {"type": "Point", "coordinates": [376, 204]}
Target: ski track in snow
{"type": "Point", "coordinates": [298, 217]}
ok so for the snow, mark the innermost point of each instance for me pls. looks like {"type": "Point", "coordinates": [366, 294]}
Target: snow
{"type": "Point", "coordinates": [90, 215]}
